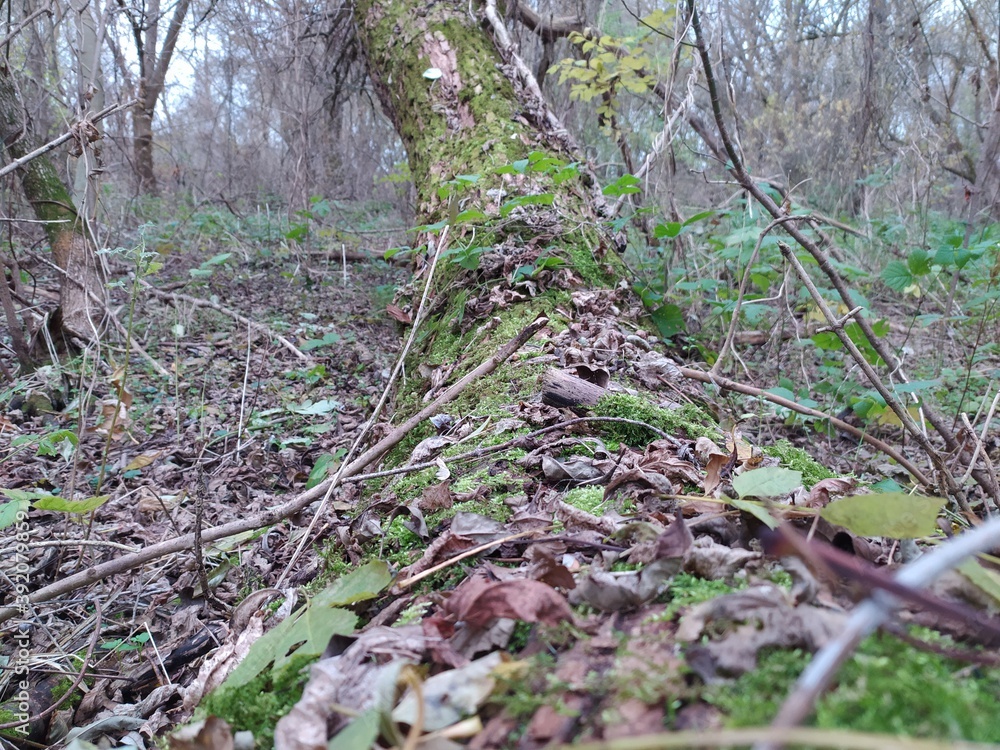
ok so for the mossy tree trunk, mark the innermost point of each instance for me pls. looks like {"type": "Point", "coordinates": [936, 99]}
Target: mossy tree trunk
{"type": "Point", "coordinates": [459, 107]}
{"type": "Point", "coordinates": [482, 145]}
{"type": "Point", "coordinates": [82, 288]}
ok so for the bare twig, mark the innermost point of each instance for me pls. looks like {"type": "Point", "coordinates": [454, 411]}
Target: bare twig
{"type": "Point", "coordinates": [837, 326]}
{"type": "Point", "coordinates": [750, 390]}
{"type": "Point", "coordinates": [738, 170]}
{"type": "Point", "coordinates": [58, 141]}
{"type": "Point", "coordinates": [397, 369]}
{"type": "Point", "coordinates": [21, 26]}
{"type": "Point", "coordinates": [742, 290]}
{"type": "Point", "coordinates": [76, 681]}
{"type": "Point", "coordinates": [820, 737]}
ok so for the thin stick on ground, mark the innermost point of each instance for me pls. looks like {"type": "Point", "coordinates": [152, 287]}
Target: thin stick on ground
{"type": "Point", "coordinates": [98, 620]}
{"type": "Point", "coordinates": [739, 172]}
{"type": "Point", "coordinates": [749, 390]}
{"type": "Point", "coordinates": [197, 302]}
{"type": "Point", "coordinates": [363, 433]}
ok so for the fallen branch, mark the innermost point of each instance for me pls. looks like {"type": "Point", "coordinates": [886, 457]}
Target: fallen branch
{"type": "Point", "coordinates": [73, 132]}
{"type": "Point", "coordinates": [872, 612]}
{"type": "Point", "coordinates": [738, 170]}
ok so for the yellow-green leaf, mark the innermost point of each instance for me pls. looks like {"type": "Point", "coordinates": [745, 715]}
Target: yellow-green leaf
{"type": "Point", "coordinates": [986, 580]}
{"type": "Point", "coordinates": [891, 514]}
{"type": "Point", "coordinates": [769, 481]}
{"type": "Point", "coordinates": [62, 505]}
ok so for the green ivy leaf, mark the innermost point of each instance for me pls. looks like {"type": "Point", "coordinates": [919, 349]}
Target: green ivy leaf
{"type": "Point", "coordinates": [668, 319]}
{"type": "Point", "coordinates": [10, 511]}
{"type": "Point", "coordinates": [669, 230]}
{"type": "Point", "coordinates": [62, 505]}
{"type": "Point", "coordinates": [919, 262]}
{"type": "Point", "coordinates": [755, 509]}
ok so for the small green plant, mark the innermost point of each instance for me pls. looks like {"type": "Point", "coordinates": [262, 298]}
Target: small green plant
{"type": "Point", "coordinates": [132, 643]}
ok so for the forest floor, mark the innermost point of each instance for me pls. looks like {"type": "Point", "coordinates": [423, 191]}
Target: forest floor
{"type": "Point", "coordinates": [575, 582]}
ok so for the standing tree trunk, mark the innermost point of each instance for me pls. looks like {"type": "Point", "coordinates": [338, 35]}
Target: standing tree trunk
{"type": "Point", "coordinates": [83, 280]}
{"type": "Point", "coordinates": [152, 77]}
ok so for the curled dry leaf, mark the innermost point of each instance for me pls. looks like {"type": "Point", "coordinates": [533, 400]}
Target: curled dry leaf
{"type": "Point", "coordinates": [397, 313]}
{"type": "Point", "coordinates": [429, 447]}
{"type": "Point", "coordinates": [758, 618]}
{"type": "Point", "coordinates": [827, 489]}
{"type": "Point", "coordinates": [353, 680]}
{"type": "Point", "coordinates": [713, 561]}
{"type": "Point", "coordinates": [217, 667]}
{"type": "Point", "coordinates": [616, 592]}
{"type": "Point", "coordinates": [436, 496]}
{"type": "Point", "coordinates": [450, 696]}
{"type": "Point", "coordinates": [576, 469]}
{"type": "Point", "coordinates": [114, 419]}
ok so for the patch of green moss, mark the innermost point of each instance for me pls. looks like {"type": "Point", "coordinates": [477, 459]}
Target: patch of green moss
{"type": "Point", "coordinates": [686, 590]}
{"type": "Point", "coordinates": [396, 534]}
{"type": "Point", "coordinates": [59, 690]}
{"type": "Point", "coordinates": [688, 420]}
{"type": "Point", "coordinates": [8, 717]}
{"type": "Point", "coordinates": [491, 507]}
{"type": "Point", "coordinates": [258, 705]}
{"type": "Point", "coordinates": [888, 686]}
{"type": "Point", "coordinates": [798, 460]}
{"type": "Point", "coordinates": [589, 499]}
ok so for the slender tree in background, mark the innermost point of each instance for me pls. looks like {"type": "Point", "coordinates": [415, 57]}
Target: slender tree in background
{"type": "Point", "coordinates": [154, 60]}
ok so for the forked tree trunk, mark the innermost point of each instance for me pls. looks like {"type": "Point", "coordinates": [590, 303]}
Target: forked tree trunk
{"type": "Point", "coordinates": [83, 282]}
{"type": "Point", "coordinates": [153, 65]}
{"type": "Point", "coordinates": [460, 108]}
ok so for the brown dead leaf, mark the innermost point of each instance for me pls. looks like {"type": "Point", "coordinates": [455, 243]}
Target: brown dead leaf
{"type": "Point", "coordinates": [114, 419]}
{"type": "Point", "coordinates": [546, 569]}
{"type": "Point", "coordinates": [143, 460]}
{"type": "Point", "coordinates": [217, 667]}
{"type": "Point", "coordinates": [675, 541]}
{"type": "Point", "coordinates": [524, 599]}
{"type": "Point", "coordinates": [354, 680]}
{"type": "Point", "coordinates": [713, 561]}
{"type": "Point", "coordinates": [827, 489]}
{"type": "Point", "coordinates": [616, 592]}
{"type": "Point", "coordinates": [399, 314]}
{"type": "Point", "coordinates": [436, 496]}
{"type": "Point", "coordinates": [713, 472]}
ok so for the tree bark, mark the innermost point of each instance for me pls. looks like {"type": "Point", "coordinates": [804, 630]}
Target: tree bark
{"type": "Point", "coordinates": [72, 251]}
